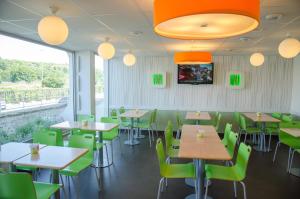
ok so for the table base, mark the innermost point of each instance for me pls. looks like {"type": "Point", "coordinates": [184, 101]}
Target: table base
{"type": "Point", "coordinates": [191, 182]}
{"type": "Point", "coordinates": [140, 136]}
{"type": "Point", "coordinates": [131, 143]}
{"type": "Point", "coordinates": [193, 196]}
{"type": "Point", "coordinates": [295, 172]}
{"type": "Point", "coordinates": [258, 148]}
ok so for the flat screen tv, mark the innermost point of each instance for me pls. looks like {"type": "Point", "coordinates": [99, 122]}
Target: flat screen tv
{"type": "Point", "coordinates": [195, 73]}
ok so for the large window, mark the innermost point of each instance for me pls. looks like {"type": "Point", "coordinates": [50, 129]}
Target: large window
{"type": "Point", "coordinates": [34, 87]}
{"type": "Point", "coordinates": [99, 88]}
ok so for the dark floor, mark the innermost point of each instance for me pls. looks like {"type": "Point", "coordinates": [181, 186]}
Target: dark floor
{"type": "Point", "coordinates": [135, 175]}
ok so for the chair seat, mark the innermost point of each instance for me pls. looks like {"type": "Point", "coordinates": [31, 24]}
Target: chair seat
{"type": "Point", "coordinates": [26, 168]}
{"type": "Point", "coordinates": [222, 173]}
{"type": "Point", "coordinates": [173, 153]}
{"type": "Point", "coordinates": [179, 171]}
{"type": "Point", "coordinates": [45, 190]}
{"type": "Point", "coordinates": [77, 166]}
{"type": "Point", "coordinates": [109, 136]}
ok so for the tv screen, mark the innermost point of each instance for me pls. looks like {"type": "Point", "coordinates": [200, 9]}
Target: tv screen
{"type": "Point", "coordinates": [195, 73]}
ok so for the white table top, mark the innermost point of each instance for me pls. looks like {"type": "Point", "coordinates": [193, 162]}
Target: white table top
{"type": "Point", "coordinates": [91, 126]}
{"type": "Point", "coordinates": [262, 118]}
{"type": "Point", "coordinates": [208, 147]}
{"type": "Point", "coordinates": [14, 150]}
{"type": "Point", "coordinates": [197, 116]}
{"type": "Point", "coordinates": [134, 113]}
{"type": "Point", "coordinates": [292, 131]}
{"type": "Point", "coordinates": [52, 157]}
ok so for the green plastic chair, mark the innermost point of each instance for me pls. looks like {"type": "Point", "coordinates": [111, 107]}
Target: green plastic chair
{"type": "Point", "coordinates": [217, 126]}
{"type": "Point", "coordinates": [113, 114]}
{"type": "Point", "coordinates": [231, 144]}
{"type": "Point", "coordinates": [246, 129]}
{"type": "Point", "coordinates": [179, 125]}
{"type": "Point", "coordinates": [80, 141]}
{"type": "Point", "coordinates": [235, 173]}
{"type": "Point", "coordinates": [111, 135]}
{"type": "Point", "coordinates": [227, 131]}
{"type": "Point", "coordinates": [175, 142]}
{"type": "Point", "coordinates": [148, 126]}
{"type": "Point", "coordinates": [20, 186]}
{"type": "Point", "coordinates": [276, 115]}
{"type": "Point", "coordinates": [170, 151]}
{"type": "Point", "coordinates": [155, 122]}
{"type": "Point", "coordinates": [236, 117]}
{"type": "Point", "coordinates": [124, 122]}
{"type": "Point", "coordinates": [172, 170]}
{"type": "Point", "coordinates": [292, 142]}
{"type": "Point", "coordinates": [287, 118]}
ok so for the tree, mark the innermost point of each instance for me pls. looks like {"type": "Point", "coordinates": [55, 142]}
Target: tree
{"type": "Point", "coordinates": [22, 73]}
{"type": "Point", "coordinates": [53, 80]}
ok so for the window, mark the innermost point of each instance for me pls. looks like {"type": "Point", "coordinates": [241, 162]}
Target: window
{"type": "Point", "coordinates": [101, 107]}
{"type": "Point", "coordinates": [34, 88]}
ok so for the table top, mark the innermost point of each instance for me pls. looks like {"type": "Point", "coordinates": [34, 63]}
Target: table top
{"type": "Point", "coordinates": [208, 147]}
{"type": "Point", "coordinates": [13, 150]}
{"type": "Point", "coordinates": [197, 116]}
{"type": "Point", "coordinates": [91, 126]}
{"type": "Point", "coordinates": [52, 157]}
{"type": "Point", "coordinates": [292, 131]}
{"type": "Point", "coordinates": [134, 113]}
{"type": "Point", "coordinates": [262, 118]}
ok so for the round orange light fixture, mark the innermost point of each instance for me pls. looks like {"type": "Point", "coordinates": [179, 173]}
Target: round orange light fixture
{"type": "Point", "coordinates": [205, 19]}
{"type": "Point", "coordinates": [192, 57]}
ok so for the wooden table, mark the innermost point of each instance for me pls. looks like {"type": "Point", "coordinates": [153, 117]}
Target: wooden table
{"type": "Point", "coordinates": [54, 158]}
{"type": "Point", "coordinates": [263, 119]}
{"type": "Point", "coordinates": [295, 132]}
{"type": "Point", "coordinates": [96, 127]}
{"type": "Point", "coordinates": [133, 114]}
{"type": "Point", "coordinates": [209, 147]}
{"type": "Point", "coordinates": [197, 116]}
{"type": "Point", "coordinates": [12, 151]}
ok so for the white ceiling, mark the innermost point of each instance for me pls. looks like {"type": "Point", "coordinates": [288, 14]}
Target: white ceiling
{"type": "Point", "coordinates": [91, 21]}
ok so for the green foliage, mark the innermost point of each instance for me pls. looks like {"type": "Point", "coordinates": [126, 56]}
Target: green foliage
{"type": "Point", "coordinates": [53, 81]}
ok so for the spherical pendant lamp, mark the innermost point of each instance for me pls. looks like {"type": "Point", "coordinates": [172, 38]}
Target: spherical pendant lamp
{"type": "Point", "coordinates": [289, 48]}
{"type": "Point", "coordinates": [129, 59]}
{"type": "Point", "coordinates": [205, 19]}
{"type": "Point", "coordinates": [53, 30]}
{"type": "Point", "coordinates": [192, 57]}
{"type": "Point", "coordinates": [257, 59]}
{"type": "Point", "coordinates": [106, 50]}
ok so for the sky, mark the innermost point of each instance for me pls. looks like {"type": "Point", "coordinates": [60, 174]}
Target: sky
{"type": "Point", "coordinates": [11, 48]}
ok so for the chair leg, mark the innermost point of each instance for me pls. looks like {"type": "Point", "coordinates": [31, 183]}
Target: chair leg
{"type": "Point", "coordinates": [244, 188]}
{"type": "Point", "coordinates": [206, 190]}
{"type": "Point", "coordinates": [106, 151]}
{"type": "Point", "coordinates": [149, 135]}
{"type": "Point", "coordinates": [245, 137]}
{"type": "Point", "coordinates": [275, 153]}
{"type": "Point", "coordinates": [234, 189]}
{"type": "Point", "coordinates": [160, 187]}
{"type": "Point", "coordinates": [270, 138]}
{"type": "Point", "coordinates": [112, 152]}
{"type": "Point", "coordinates": [289, 159]}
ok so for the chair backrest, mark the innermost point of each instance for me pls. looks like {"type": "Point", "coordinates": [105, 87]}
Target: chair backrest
{"type": "Point", "coordinates": [287, 118]}
{"type": "Point", "coordinates": [121, 110]}
{"type": "Point", "coordinates": [90, 118]}
{"type": "Point", "coordinates": [113, 113]}
{"type": "Point", "coordinates": [161, 155]}
{"type": "Point", "coordinates": [178, 121]}
{"type": "Point", "coordinates": [243, 124]}
{"type": "Point", "coordinates": [276, 115]}
{"type": "Point", "coordinates": [115, 130]}
{"type": "Point", "coordinates": [45, 136]}
{"type": "Point", "coordinates": [154, 115]}
{"type": "Point", "coordinates": [289, 140]}
{"type": "Point", "coordinates": [168, 138]}
{"type": "Point", "coordinates": [232, 140]}
{"type": "Point", "coordinates": [218, 122]}
{"type": "Point", "coordinates": [170, 125]}
{"type": "Point", "coordinates": [83, 141]}
{"type": "Point", "coordinates": [17, 186]}
{"type": "Point", "coordinates": [227, 131]}
{"type": "Point", "coordinates": [242, 160]}
{"type": "Point", "coordinates": [59, 135]}
{"type": "Point", "coordinates": [236, 117]}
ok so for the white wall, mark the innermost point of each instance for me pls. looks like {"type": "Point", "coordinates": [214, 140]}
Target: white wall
{"type": "Point", "coordinates": [267, 89]}
{"type": "Point", "coordinates": [295, 104]}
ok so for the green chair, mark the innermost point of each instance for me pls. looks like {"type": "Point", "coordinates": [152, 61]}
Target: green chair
{"type": "Point", "coordinates": [111, 135]}
{"type": "Point", "coordinates": [20, 186]}
{"type": "Point", "coordinates": [272, 129]}
{"type": "Point", "coordinates": [292, 142]}
{"type": "Point", "coordinates": [170, 151]}
{"type": "Point", "coordinates": [276, 115]}
{"type": "Point", "coordinates": [175, 142]}
{"type": "Point", "coordinates": [217, 126]}
{"type": "Point", "coordinates": [155, 122]}
{"type": "Point", "coordinates": [236, 117]}
{"type": "Point", "coordinates": [124, 122]}
{"type": "Point", "coordinates": [231, 144]}
{"type": "Point", "coordinates": [246, 129]}
{"type": "Point", "coordinates": [172, 170]}
{"type": "Point", "coordinates": [80, 141]}
{"type": "Point", "coordinates": [235, 173]}
{"type": "Point", "coordinates": [179, 125]}
{"type": "Point", "coordinates": [228, 128]}
{"type": "Point", "coordinates": [114, 114]}
{"type": "Point", "coordinates": [148, 126]}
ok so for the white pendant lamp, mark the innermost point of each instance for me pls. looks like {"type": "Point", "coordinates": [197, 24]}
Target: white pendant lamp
{"type": "Point", "coordinates": [257, 59]}
{"type": "Point", "coordinates": [106, 50]}
{"type": "Point", "coordinates": [53, 30]}
{"type": "Point", "coordinates": [129, 59]}
{"type": "Point", "coordinates": [289, 48]}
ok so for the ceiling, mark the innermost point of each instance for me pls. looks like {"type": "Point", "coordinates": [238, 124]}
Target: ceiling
{"type": "Point", "coordinates": [128, 24]}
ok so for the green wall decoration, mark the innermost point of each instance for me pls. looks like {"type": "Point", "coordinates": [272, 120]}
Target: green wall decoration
{"type": "Point", "coordinates": [235, 80]}
{"type": "Point", "coordinates": [159, 80]}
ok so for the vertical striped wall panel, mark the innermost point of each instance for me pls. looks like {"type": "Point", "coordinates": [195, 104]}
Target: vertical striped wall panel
{"type": "Point", "coordinates": [267, 88]}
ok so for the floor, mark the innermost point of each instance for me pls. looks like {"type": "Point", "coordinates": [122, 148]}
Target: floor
{"type": "Point", "coordinates": [135, 175]}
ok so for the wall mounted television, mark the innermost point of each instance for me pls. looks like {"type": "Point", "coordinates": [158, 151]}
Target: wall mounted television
{"type": "Point", "coordinates": [195, 73]}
